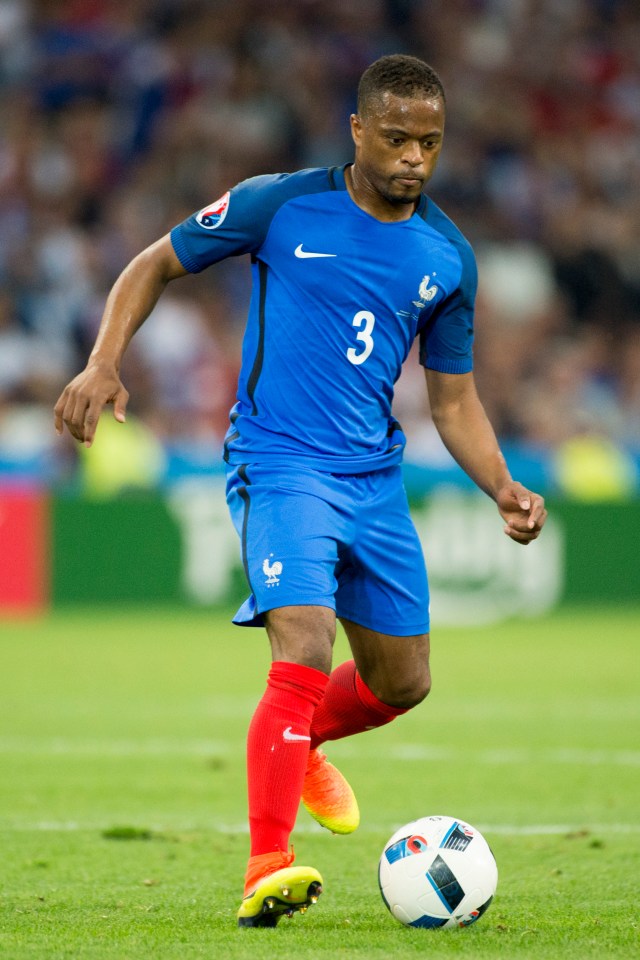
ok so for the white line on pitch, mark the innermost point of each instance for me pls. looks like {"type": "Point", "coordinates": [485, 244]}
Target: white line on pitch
{"type": "Point", "coordinates": [407, 752]}
{"type": "Point", "coordinates": [501, 829]}
{"type": "Point", "coordinates": [60, 746]}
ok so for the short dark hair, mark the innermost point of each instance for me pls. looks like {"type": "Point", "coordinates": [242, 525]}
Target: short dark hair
{"type": "Point", "coordinates": [400, 74]}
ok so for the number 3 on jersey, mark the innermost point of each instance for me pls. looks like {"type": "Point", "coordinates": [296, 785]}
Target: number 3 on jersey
{"type": "Point", "coordinates": [367, 318]}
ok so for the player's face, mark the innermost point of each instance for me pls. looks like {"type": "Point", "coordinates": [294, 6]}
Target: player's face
{"type": "Point", "coordinates": [397, 148]}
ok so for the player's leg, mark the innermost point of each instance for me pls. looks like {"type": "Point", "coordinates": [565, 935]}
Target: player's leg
{"type": "Point", "coordinates": [383, 600]}
{"type": "Point", "coordinates": [301, 640]}
{"type": "Point", "coordinates": [289, 552]}
{"type": "Point", "coordinates": [397, 669]}
{"type": "Point", "coordinates": [383, 603]}
{"type": "Point", "coordinates": [278, 740]}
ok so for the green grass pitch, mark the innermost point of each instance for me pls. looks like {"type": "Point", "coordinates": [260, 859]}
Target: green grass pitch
{"type": "Point", "coordinates": [122, 795]}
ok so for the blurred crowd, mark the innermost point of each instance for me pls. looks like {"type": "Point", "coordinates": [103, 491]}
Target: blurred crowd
{"type": "Point", "coordinates": [119, 119]}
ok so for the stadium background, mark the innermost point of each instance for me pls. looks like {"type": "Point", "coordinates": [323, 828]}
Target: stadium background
{"type": "Point", "coordinates": [119, 119]}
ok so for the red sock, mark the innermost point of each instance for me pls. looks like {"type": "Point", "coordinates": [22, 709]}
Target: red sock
{"type": "Point", "coordinates": [277, 752]}
{"type": "Point", "coordinates": [348, 707]}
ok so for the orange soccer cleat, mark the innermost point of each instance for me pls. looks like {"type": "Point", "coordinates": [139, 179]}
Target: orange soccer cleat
{"type": "Point", "coordinates": [328, 797]}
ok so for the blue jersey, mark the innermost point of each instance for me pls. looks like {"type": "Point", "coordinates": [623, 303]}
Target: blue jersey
{"type": "Point", "coordinates": [338, 299]}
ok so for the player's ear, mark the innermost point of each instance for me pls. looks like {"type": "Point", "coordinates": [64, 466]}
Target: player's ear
{"type": "Point", "coordinates": [356, 128]}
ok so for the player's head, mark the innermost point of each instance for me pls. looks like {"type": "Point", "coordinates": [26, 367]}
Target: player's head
{"type": "Point", "coordinates": [399, 126]}
{"type": "Point", "coordinates": [398, 74]}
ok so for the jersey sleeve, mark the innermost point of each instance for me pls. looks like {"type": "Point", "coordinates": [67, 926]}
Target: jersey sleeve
{"type": "Point", "coordinates": [446, 341]}
{"type": "Point", "coordinates": [237, 223]}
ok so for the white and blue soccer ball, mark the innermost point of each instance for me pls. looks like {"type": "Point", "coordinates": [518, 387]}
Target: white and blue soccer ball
{"type": "Point", "coordinates": [437, 872]}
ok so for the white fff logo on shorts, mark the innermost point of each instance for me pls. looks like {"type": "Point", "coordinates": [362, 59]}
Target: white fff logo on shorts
{"type": "Point", "coordinates": [272, 572]}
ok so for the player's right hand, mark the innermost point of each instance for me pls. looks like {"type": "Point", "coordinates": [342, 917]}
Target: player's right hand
{"type": "Point", "coordinates": [82, 401]}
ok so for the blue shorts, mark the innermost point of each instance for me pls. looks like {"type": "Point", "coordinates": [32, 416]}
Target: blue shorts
{"type": "Point", "coordinates": [344, 542]}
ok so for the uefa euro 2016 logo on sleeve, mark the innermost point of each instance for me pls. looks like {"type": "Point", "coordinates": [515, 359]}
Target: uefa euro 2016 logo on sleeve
{"type": "Point", "coordinates": [212, 216]}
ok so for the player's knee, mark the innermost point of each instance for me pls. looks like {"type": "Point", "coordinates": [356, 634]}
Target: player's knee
{"type": "Point", "coordinates": [416, 693]}
{"type": "Point", "coordinates": [407, 692]}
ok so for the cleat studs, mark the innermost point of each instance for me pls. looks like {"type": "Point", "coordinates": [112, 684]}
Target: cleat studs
{"type": "Point", "coordinates": [303, 909]}
{"type": "Point", "coordinates": [289, 914]}
{"type": "Point", "coordinates": [313, 899]}
{"type": "Point", "coordinates": [285, 891]}
{"type": "Point", "coordinates": [270, 903]}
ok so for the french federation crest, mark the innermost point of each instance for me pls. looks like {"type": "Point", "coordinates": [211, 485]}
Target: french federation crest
{"type": "Point", "coordinates": [272, 571]}
{"type": "Point", "coordinates": [426, 293]}
{"type": "Point", "coordinates": [212, 216]}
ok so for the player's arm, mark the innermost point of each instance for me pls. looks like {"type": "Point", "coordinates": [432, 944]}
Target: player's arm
{"type": "Point", "coordinates": [131, 300]}
{"type": "Point", "coordinates": [467, 434]}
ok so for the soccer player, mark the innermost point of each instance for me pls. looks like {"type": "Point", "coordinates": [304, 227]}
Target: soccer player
{"type": "Point", "coordinates": [350, 264]}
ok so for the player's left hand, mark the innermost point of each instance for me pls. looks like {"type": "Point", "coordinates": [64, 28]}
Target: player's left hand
{"type": "Point", "coordinates": [523, 512]}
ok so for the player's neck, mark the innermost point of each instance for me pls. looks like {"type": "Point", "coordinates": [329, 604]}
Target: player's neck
{"type": "Point", "coordinates": [365, 196]}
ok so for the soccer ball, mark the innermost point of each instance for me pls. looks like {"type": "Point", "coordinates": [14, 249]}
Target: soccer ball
{"type": "Point", "coordinates": [437, 872]}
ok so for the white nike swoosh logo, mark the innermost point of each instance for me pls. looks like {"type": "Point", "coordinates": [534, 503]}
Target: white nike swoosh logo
{"type": "Point", "coordinates": [290, 736]}
{"type": "Point", "coordinates": [306, 254]}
